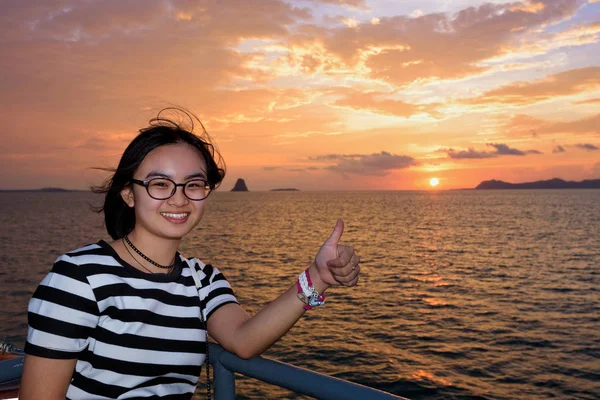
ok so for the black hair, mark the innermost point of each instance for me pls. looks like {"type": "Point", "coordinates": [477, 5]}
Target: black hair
{"type": "Point", "coordinates": [119, 218]}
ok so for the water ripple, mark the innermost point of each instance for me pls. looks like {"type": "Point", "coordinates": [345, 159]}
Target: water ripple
{"type": "Point", "coordinates": [463, 295]}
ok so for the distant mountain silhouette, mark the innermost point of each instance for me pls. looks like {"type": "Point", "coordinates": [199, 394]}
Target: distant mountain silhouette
{"type": "Point", "coordinates": [240, 186]}
{"type": "Point", "coordinates": [46, 189]}
{"type": "Point", "coordinates": [549, 184]}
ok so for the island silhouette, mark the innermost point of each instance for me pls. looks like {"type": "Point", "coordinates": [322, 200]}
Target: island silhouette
{"type": "Point", "coordinates": [240, 186]}
{"type": "Point", "coordinates": [555, 183]}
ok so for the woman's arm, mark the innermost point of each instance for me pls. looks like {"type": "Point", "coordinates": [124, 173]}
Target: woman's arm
{"type": "Point", "coordinates": [236, 331]}
{"type": "Point", "coordinates": [45, 378]}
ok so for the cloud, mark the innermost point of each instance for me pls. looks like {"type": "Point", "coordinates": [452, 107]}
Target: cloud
{"type": "Point", "coordinates": [377, 103]}
{"type": "Point", "coordinates": [588, 101]}
{"type": "Point", "coordinates": [74, 21]}
{"type": "Point", "coordinates": [376, 164]}
{"type": "Point", "coordinates": [102, 142]}
{"type": "Point", "coordinates": [585, 125]}
{"type": "Point", "coordinates": [470, 153]}
{"type": "Point", "coordinates": [79, 78]}
{"type": "Point", "coordinates": [587, 146]}
{"type": "Point", "coordinates": [401, 49]}
{"type": "Point", "coordinates": [504, 150]}
{"type": "Point", "coordinates": [522, 125]}
{"type": "Point", "coordinates": [346, 3]}
{"type": "Point", "coordinates": [501, 150]}
{"type": "Point", "coordinates": [335, 157]}
{"type": "Point", "coordinates": [117, 51]}
{"type": "Point", "coordinates": [541, 41]}
{"type": "Point", "coordinates": [566, 83]}
{"type": "Point", "coordinates": [558, 149]}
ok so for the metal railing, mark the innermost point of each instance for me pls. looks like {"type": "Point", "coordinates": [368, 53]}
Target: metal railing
{"type": "Point", "coordinates": [226, 365]}
{"type": "Point", "coordinates": [296, 379]}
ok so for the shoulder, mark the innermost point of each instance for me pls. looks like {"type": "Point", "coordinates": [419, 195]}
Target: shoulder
{"type": "Point", "coordinates": [84, 260]}
{"type": "Point", "coordinates": [94, 253]}
{"type": "Point", "coordinates": [197, 264]}
{"type": "Point", "coordinates": [207, 272]}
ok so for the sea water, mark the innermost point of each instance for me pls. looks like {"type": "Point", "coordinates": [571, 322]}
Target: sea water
{"type": "Point", "coordinates": [463, 294]}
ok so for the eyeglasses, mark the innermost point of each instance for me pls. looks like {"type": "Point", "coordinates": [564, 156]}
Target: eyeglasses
{"type": "Point", "coordinates": [165, 188]}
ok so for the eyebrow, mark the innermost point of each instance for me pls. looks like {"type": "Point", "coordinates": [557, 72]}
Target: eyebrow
{"type": "Point", "coordinates": [159, 174]}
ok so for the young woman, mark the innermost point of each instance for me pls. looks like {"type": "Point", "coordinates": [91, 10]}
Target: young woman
{"type": "Point", "coordinates": [125, 319]}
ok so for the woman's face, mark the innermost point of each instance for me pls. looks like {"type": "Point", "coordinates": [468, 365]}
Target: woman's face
{"type": "Point", "coordinates": [174, 217]}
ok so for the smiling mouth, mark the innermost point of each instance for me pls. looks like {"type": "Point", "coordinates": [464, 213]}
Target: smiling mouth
{"type": "Point", "coordinates": [175, 215]}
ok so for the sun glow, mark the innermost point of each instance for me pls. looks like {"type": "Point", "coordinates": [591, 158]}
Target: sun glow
{"type": "Point", "coordinates": [434, 182]}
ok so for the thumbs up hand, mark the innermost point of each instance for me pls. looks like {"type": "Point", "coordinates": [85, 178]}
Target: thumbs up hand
{"type": "Point", "coordinates": [337, 264]}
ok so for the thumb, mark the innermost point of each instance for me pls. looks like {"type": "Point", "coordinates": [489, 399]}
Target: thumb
{"type": "Point", "coordinates": [336, 234]}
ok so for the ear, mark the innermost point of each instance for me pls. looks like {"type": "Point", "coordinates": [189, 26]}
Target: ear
{"type": "Point", "coordinates": [127, 195]}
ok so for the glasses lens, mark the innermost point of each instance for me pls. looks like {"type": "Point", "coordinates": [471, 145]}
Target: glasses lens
{"type": "Point", "coordinates": [197, 189]}
{"type": "Point", "coordinates": [161, 188]}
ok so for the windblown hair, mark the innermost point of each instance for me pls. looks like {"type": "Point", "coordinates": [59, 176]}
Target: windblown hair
{"type": "Point", "coordinates": [119, 218]}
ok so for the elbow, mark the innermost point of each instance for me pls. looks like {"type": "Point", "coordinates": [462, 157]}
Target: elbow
{"type": "Point", "coordinates": [246, 354]}
{"type": "Point", "coordinates": [247, 351]}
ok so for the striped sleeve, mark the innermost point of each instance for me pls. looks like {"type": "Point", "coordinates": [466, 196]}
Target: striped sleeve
{"type": "Point", "coordinates": [62, 312]}
{"type": "Point", "coordinates": [219, 291]}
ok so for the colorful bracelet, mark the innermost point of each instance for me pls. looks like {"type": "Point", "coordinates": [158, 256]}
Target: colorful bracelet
{"type": "Point", "coordinates": [307, 292]}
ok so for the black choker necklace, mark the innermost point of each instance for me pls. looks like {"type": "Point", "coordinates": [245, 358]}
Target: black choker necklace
{"type": "Point", "coordinates": [146, 257]}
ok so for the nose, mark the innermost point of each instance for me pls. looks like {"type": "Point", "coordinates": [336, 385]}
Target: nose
{"type": "Point", "coordinates": [179, 198]}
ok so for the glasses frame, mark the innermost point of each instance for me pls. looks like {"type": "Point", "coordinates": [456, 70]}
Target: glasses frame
{"type": "Point", "coordinates": [146, 184]}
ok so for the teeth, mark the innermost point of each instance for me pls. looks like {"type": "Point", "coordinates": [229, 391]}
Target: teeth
{"type": "Point", "coordinates": [176, 216]}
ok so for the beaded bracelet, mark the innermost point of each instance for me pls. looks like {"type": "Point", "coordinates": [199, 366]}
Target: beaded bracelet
{"type": "Point", "coordinates": [307, 292]}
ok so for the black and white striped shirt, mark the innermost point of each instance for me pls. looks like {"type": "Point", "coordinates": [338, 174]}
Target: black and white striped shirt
{"type": "Point", "coordinates": [134, 335]}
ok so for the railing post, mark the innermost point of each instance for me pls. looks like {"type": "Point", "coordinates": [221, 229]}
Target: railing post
{"type": "Point", "coordinates": [224, 383]}
{"type": "Point", "coordinates": [284, 375]}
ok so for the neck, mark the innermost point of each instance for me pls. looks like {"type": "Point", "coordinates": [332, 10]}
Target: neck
{"type": "Point", "coordinates": [160, 250]}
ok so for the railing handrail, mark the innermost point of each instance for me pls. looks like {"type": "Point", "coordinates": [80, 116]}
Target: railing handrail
{"type": "Point", "coordinates": [284, 375]}
{"type": "Point", "coordinates": [226, 364]}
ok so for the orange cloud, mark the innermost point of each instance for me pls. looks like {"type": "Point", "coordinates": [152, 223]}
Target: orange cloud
{"type": "Point", "coordinates": [565, 83]}
{"type": "Point", "coordinates": [278, 81]}
{"type": "Point", "coordinates": [524, 125]}
{"type": "Point", "coordinates": [442, 46]}
{"type": "Point", "coordinates": [580, 126]}
{"type": "Point", "coordinates": [373, 102]}
{"type": "Point", "coordinates": [528, 6]}
{"type": "Point", "coordinates": [589, 101]}
{"type": "Point", "coordinates": [377, 164]}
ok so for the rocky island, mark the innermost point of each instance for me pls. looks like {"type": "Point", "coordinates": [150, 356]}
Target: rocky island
{"type": "Point", "coordinates": [240, 186]}
{"type": "Point", "coordinates": [548, 184]}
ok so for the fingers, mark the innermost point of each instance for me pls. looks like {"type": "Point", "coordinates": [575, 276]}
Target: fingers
{"type": "Point", "coordinates": [348, 280]}
{"type": "Point", "coordinates": [335, 236]}
{"type": "Point", "coordinates": [345, 254]}
{"type": "Point", "coordinates": [347, 274]}
{"type": "Point", "coordinates": [354, 281]}
{"type": "Point", "coordinates": [344, 268]}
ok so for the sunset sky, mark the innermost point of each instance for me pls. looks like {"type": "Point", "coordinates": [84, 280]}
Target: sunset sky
{"type": "Point", "coordinates": [314, 94]}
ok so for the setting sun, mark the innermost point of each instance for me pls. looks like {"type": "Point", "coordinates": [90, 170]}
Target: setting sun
{"type": "Point", "coordinates": [434, 182]}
